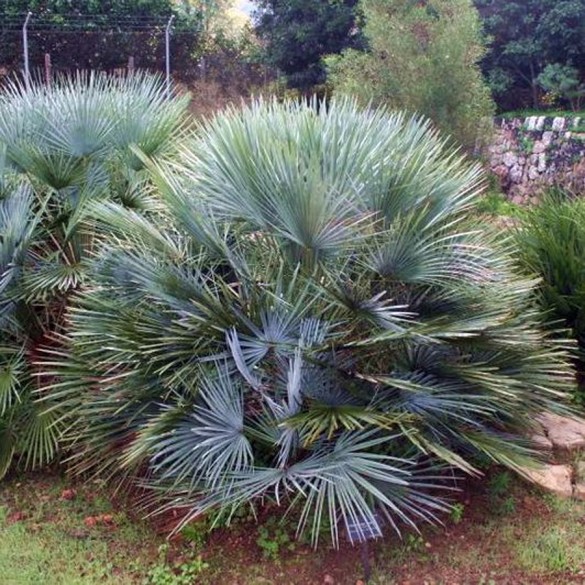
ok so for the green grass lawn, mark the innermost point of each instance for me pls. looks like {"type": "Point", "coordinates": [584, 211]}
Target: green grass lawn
{"type": "Point", "coordinates": [49, 554]}
{"type": "Point", "coordinates": [502, 533]}
{"type": "Point", "coordinates": [46, 538]}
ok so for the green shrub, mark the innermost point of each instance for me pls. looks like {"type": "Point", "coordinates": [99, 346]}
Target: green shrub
{"type": "Point", "coordinates": [495, 203]}
{"type": "Point", "coordinates": [563, 81]}
{"type": "Point", "coordinates": [320, 327]}
{"type": "Point", "coordinates": [551, 243]}
{"type": "Point", "coordinates": [421, 57]}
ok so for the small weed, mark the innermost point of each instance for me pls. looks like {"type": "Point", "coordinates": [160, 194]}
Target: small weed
{"type": "Point", "coordinates": [183, 574]}
{"type": "Point", "coordinates": [414, 543]}
{"type": "Point", "coordinates": [499, 484]}
{"type": "Point", "coordinates": [526, 143]}
{"type": "Point", "coordinates": [196, 533]}
{"type": "Point", "coordinates": [506, 506]}
{"type": "Point", "coordinates": [164, 573]}
{"type": "Point", "coordinates": [242, 515]}
{"type": "Point", "coordinates": [561, 506]}
{"type": "Point", "coordinates": [101, 505]}
{"type": "Point", "coordinates": [457, 513]}
{"type": "Point", "coordinates": [502, 503]}
{"type": "Point", "coordinates": [273, 537]}
{"type": "Point", "coordinates": [413, 548]}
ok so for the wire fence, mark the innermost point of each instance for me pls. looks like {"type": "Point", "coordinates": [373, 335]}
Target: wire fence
{"type": "Point", "coordinates": [42, 45]}
{"type": "Point", "coordinates": [73, 22]}
{"type": "Point", "coordinates": [216, 74]}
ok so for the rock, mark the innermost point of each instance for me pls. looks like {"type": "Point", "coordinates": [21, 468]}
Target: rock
{"type": "Point", "coordinates": [541, 442]}
{"type": "Point", "coordinates": [579, 490]}
{"type": "Point", "coordinates": [328, 580]}
{"type": "Point", "coordinates": [579, 477]}
{"type": "Point", "coordinates": [556, 479]}
{"type": "Point", "coordinates": [501, 171]}
{"type": "Point", "coordinates": [576, 122]}
{"type": "Point", "coordinates": [68, 494]}
{"type": "Point", "coordinates": [558, 124]}
{"type": "Point", "coordinates": [528, 154]}
{"type": "Point", "coordinates": [510, 159]}
{"type": "Point", "coordinates": [516, 174]}
{"type": "Point", "coordinates": [566, 434]}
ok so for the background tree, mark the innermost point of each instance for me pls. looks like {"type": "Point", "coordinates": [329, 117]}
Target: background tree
{"type": "Point", "coordinates": [526, 36]}
{"type": "Point", "coordinates": [562, 81]}
{"type": "Point", "coordinates": [229, 52]}
{"type": "Point", "coordinates": [298, 34]}
{"type": "Point", "coordinates": [421, 57]}
{"type": "Point", "coordinates": [91, 34]}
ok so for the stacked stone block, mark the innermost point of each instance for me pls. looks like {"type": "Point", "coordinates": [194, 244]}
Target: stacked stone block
{"type": "Point", "coordinates": [536, 153]}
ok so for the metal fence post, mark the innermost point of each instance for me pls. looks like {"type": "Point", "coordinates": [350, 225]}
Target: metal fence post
{"type": "Point", "coordinates": [168, 54]}
{"type": "Point", "coordinates": [25, 47]}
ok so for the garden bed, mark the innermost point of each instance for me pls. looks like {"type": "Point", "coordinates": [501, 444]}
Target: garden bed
{"type": "Point", "coordinates": [53, 531]}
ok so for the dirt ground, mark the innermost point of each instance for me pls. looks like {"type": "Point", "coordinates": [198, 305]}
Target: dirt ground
{"type": "Point", "coordinates": [501, 532]}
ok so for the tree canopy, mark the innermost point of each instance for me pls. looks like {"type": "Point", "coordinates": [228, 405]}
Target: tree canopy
{"type": "Point", "coordinates": [298, 34]}
{"type": "Point", "coordinates": [526, 37]}
{"type": "Point", "coordinates": [421, 57]}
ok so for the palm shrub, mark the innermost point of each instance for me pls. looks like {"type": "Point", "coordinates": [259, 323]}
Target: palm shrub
{"type": "Point", "coordinates": [318, 325]}
{"type": "Point", "coordinates": [17, 227]}
{"type": "Point", "coordinates": [62, 149]}
{"type": "Point", "coordinates": [551, 244]}
{"type": "Point", "coordinates": [84, 128]}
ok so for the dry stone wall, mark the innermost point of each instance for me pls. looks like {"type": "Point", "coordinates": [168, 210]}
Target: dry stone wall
{"type": "Point", "coordinates": [529, 155]}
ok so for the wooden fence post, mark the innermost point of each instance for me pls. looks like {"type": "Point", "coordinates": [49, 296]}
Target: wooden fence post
{"type": "Point", "coordinates": [48, 68]}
